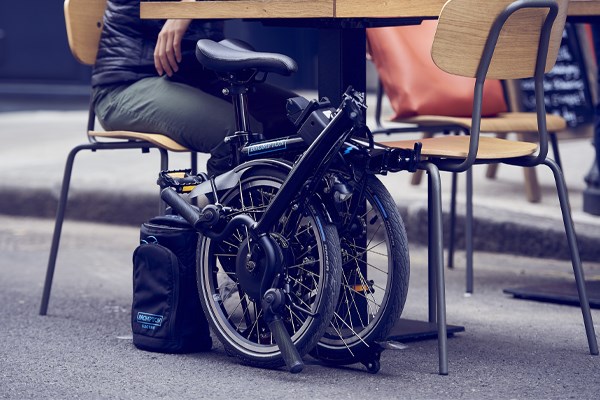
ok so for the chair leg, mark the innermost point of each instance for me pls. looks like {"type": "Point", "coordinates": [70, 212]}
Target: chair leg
{"type": "Point", "coordinates": [431, 256]}
{"type": "Point", "coordinates": [554, 143]}
{"type": "Point", "coordinates": [60, 216]}
{"type": "Point", "coordinates": [436, 259]}
{"type": "Point", "coordinates": [532, 186]}
{"type": "Point", "coordinates": [469, 231]}
{"type": "Point", "coordinates": [62, 203]}
{"type": "Point", "coordinates": [492, 169]}
{"type": "Point", "coordinates": [452, 220]}
{"type": "Point", "coordinates": [565, 207]}
{"type": "Point", "coordinates": [415, 179]}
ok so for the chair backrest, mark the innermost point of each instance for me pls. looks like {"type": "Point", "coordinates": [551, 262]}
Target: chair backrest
{"type": "Point", "coordinates": [463, 30]}
{"type": "Point", "coordinates": [84, 22]}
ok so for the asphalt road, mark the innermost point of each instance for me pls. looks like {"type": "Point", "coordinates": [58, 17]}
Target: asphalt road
{"type": "Point", "coordinates": [512, 349]}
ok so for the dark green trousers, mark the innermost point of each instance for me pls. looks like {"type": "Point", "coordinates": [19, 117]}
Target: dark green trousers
{"type": "Point", "coordinates": [198, 117]}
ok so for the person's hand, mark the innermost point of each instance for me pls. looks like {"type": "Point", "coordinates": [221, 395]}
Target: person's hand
{"type": "Point", "coordinates": [167, 53]}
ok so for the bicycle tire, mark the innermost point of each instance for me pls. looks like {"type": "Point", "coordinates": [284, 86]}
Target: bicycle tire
{"type": "Point", "coordinates": [374, 281]}
{"type": "Point", "coordinates": [312, 270]}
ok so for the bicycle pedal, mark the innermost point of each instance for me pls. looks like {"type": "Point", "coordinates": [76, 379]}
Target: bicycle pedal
{"type": "Point", "coordinates": [181, 180]}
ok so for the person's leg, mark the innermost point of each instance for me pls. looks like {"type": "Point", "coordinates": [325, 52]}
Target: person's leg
{"type": "Point", "coordinates": [190, 116]}
{"type": "Point", "coordinates": [197, 119]}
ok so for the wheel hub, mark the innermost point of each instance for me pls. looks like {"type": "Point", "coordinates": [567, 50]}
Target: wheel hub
{"type": "Point", "coordinates": [251, 268]}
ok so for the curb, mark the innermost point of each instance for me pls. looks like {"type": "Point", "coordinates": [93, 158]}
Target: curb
{"type": "Point", "coordinates": [94, 206]}
{"type": "Point", "coordinates": [494, 231]}
{"type": "Point", "coordinates": [507, 232]}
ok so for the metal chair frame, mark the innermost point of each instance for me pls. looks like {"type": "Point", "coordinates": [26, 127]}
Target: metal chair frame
{"type": "Point", "coordinates": [92, 145]}
{"type": "Point", "coordinates": [433, 165]}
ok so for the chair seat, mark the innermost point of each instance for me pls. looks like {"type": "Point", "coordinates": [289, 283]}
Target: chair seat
{"type": "Point", "coordinates": [458, 147]}
{"type": "Point", "coordinates": [154, 138]}
{"type": "Point", "coordinates": [521, 122]}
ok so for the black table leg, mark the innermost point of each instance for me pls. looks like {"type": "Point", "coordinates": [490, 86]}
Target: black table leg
{"type": "Point", "coordinates": [342, 62]}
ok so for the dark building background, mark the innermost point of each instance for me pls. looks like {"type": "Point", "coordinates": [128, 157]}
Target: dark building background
{"type": "Point", "coordinates": [36, 66]}
{"type": "Point", "coordinates": [35, 62]}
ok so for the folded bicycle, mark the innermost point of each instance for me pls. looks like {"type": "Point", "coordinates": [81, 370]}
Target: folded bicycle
{"type": "Point", "coordinates": [302, 248]}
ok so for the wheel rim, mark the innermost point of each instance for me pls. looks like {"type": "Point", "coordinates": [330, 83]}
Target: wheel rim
{"type": "Point", "coordinates": [365, 278]}
{"type": "Point", "coordinates": [237, 317]}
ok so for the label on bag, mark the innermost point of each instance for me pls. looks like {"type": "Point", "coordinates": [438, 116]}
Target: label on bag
{"type": "Point", "coordinates": [149, 321]}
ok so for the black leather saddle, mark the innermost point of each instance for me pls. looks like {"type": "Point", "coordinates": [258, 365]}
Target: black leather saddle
{"type": "Point", "coordinates": [231, 56]}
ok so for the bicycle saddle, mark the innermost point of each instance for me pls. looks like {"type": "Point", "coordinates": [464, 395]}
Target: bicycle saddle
{"type": "Point", "coordinates": [228, 57]}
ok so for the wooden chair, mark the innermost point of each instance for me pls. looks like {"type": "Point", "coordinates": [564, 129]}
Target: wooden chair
{"type": "Point", "coordinates": [522, 123]}
{"type": "Point", "coordinates": [84, 21]}
{"type": "Point", "coordinates": [533, 192]}
{"type": "Point", "coordinates": [532, 189]}
{"type": "Point", "coordinates": [501, 39]}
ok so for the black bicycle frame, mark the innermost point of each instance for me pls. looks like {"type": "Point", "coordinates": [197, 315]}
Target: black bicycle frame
{"type": "Point", "coordinates": [315, 159]}
{"type": "Point", "coordinates": [347, 121]}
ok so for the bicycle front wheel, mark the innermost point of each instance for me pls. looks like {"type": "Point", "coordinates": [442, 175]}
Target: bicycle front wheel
{"type": "Point", "coordinates": [375, 274]}
{"type": "Point", "coordinates": [311, 274]}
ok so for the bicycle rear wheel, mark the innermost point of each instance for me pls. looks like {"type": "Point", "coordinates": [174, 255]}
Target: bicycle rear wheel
{"type": "Point", "coordinates": [375, 274]}
{"type": "Point", "coordinates": [312, 269]}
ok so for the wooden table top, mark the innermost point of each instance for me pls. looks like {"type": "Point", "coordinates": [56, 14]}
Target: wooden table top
{"type": "Point", "coordinates": [316, 9]}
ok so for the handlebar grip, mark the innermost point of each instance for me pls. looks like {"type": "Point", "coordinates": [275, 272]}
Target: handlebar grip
{"type": "Point", "coordinates": [288, 350]}
{"type": "Point", "coordinates": [189, 213]}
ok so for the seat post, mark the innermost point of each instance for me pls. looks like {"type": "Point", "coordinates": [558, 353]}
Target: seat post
{"type": "Point", "coordinates": [238, 92]}
{"type": "Point", "coordinates": [240, 107]}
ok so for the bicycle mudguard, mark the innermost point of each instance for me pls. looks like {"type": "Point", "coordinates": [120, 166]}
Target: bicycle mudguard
{"type": "Point", "coordinates": [230, 179]}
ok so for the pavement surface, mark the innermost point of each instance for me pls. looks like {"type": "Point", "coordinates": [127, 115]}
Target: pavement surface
{"type": "Point", "coordinates": [511, 349]}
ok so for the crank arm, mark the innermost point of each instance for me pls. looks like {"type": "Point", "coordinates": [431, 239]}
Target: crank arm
{"type": "Point", "coordinates": [271, 304]}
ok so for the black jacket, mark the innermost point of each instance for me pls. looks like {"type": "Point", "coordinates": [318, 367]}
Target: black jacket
{"type": "Point", "coordinates": [126, 51]}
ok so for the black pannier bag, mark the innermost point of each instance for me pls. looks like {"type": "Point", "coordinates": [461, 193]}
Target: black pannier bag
{"type": "Point", "coordinates": [166, 314]}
